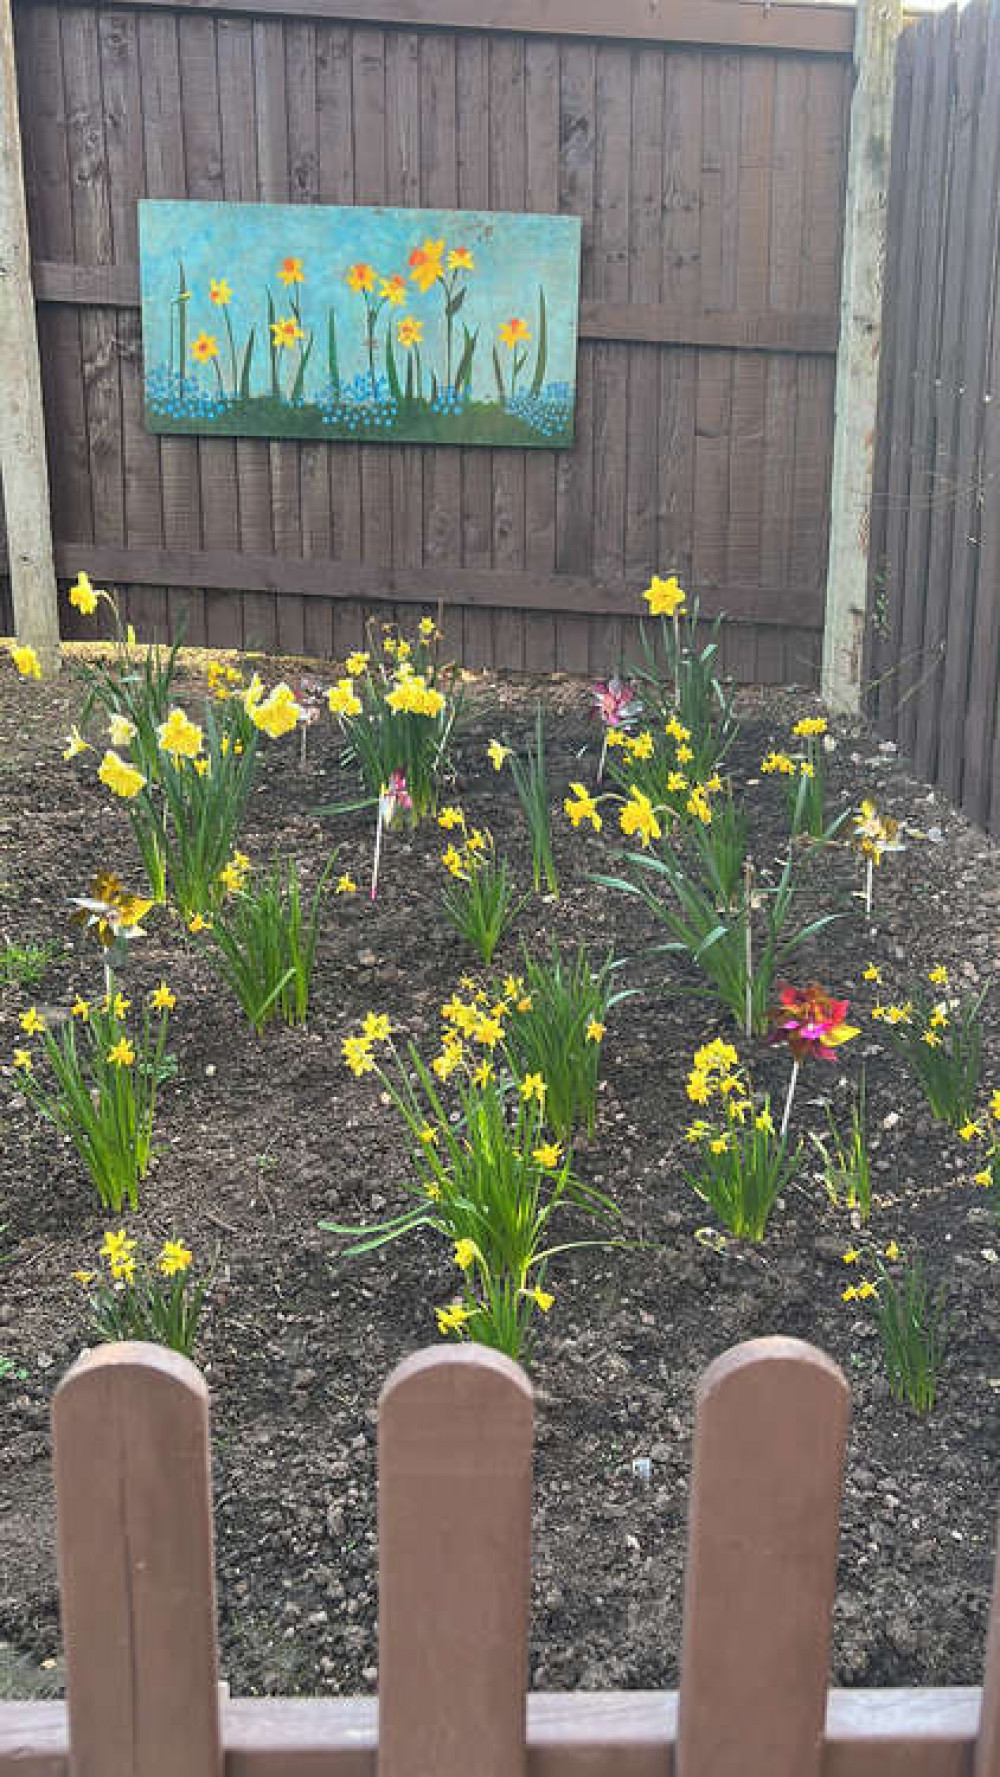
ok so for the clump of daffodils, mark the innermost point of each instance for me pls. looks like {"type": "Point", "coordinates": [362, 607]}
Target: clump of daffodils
{"type": "Point", "coordinates": [151, 1298]}
{"type": "Point", "coordinates": [487, 1177]}
{"type": "Point", "coordinates": [939, 1034]}
{"type": "Point", "coordinates": [741, 1163]}
{"type": "Point", "coordinates": [397, 709]}
{"type": "Point", "coordinates": [805, 777]}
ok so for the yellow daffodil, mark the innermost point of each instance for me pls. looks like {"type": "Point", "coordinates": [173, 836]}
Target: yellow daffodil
{"type": "Point", "coordinates": [357, 1052]}
{"type": "Point", "coordinates": [120, 730]}
{"type": "Point", "coordinates": [995, 1103]}
{"type": "Point", "coordinates": [26, 660]}
{"type": "Point", "coordinates": [497, 754]}
{"type": "Point", "coordinates": [595, 1031]}
{"type": "Point", "coordinates": [163, 1000]}
{"type": "Point", "coordinates": [548, 1153]}
{"type": "Point", "coordinates": [80, 1008]}
{"type": "Point", "coordinates": [121, 1005]}
{"type": "Point", "coordinates": [174, 1257]}
{"type": "Point", "coordinates": [453, 1318]}
{"type": "Point", "coordinates": [75, 744]}
{"type": "Point", "coordinates": [866, 1289]}
{"type": "Point", "coordinates": [892, 1250]}
{"type": "Point", "coordinates": [969, 1130]}
{"type": "Point", "coordinates": [664, 597]}
{"type": "Point", "coordinates": [466, 1253]}
{"type": "Point", "coordinates": [290, 272]}
{"type": "Point", "coordinates": [543, 1299]}
{"type": "Point", "coordinates": [83, 597]}
{"type": "Point", "coordinates": [343, 700]}
{"type": "Point", "coordinates": [32, 1021]}
{"type": "Point", "coordinates": [118, 776]}
{"type": "Point", "coordinates": [356, 663]}
{"type": "Point", "coordinates": [198, 923]}
{"type": "Point", "coordinates": [580, 806]}
{"type": "Point", "coordinates": [121, 1054]}
{"type": "Point", "coordinates": [533, 1087]}
{"type": "Point", "coordinates": [810, 725]}
{"type": "Point", "coordinates": [346, 885]}
{"type": "Point", "coordinates": [638, 817]}
{"type": "Point", "coordinates": [278, 713]}
{"type": "Point", "coordinates": [852, 1256]}
{"type": "Point", "coordinates": [938, 976]}
{"type": "Point", "coordinates": [23, 1061]}
{"type": "Point", "coordinates": [872, 973]}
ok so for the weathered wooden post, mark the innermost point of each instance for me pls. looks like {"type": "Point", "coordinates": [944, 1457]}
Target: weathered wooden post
{"type": "Point", "coordinates": [23, 467]}
{"type": "Point", "coordinates": [877, 25]}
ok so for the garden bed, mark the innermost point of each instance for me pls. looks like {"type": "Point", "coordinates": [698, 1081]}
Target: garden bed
{"type": "Point", "coordinates": [262, 1138]}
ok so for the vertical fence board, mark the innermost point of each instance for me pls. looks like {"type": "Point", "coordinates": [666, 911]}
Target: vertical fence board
{"type": "Point", "coordinates": [681, 287]}
{"type": "Point", "coordinates": [166, 176]}
{"type": "Point", "coordinates": [304, 624]}
{"type": "Point", "coordinates": [914, 665]}
{"type": "Point", "coordinates": [983, 672]}
{"type": "Point", "coordinates": [442, 466]}
{"type": "Point", "coordinates": [334, 107]}
{"type": "Point", "coordinates": [402, 174]}
{"type": "Point", "coordinates": [470, 633]}
{"type": "Point", "coordinates": [754, 1662]}
{"type": "Point", "coordinates": [541, 119]}
{"type": "Point", "coordinates": [615, 132]}
{"type": "Point", "coordinates": [271, 116]}
{"type": "Point", "coordinates": [143, 515]}
{"type": "Point", "coordinates": [904, 297]}
{"type": "Point", "coordinates": [944, 396]}
{"type": "Point", "coordinates": [455, 1431]}
{"type": "Point", "coordinates": [876, 634]}
{"type": "Point", "coordinates": [507, 192]}
{"type": "Point", "coordinates": [783, 293]}
{"type": "Point", "coordinates": [131, 1459]}
{"type": "Point", "coordinates": [575, 474]}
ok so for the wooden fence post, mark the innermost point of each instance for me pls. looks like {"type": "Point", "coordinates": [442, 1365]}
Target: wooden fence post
{"type": "Point", "coordinates": [134, 1510]}
{"type": "Point", "coordinates": [987, 1760]}
{"type": "Point", "coordinates": [455, 1432]}
{"type": "Point", "coordinates": [770, 1433]}
{"type": "Point", "coordinates": [877, 26]}
{"type": "Point", "coordinates": [23, 465]}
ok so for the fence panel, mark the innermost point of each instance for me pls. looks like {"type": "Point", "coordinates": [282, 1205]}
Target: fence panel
{"type": "Point", "coordinates": [934, 579]}
{"type": "Point", "coordinates": [708, 173]}
{"type": "Point", "coordinates": [138, 1605]}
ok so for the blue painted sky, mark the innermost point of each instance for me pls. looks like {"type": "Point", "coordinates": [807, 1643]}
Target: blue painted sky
{"type": "Point", "coordinates": [246, 243]}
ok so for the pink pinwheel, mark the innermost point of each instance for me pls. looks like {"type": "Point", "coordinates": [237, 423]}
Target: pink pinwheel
{"type": "Point", "coordinates": [616, 702]}
{"type": "Point", "coordinates": [810, 1022]}
{"type": "Point", "coordinates": [393, 798]}
{"type": "Point", "coordinates": [618, 706]}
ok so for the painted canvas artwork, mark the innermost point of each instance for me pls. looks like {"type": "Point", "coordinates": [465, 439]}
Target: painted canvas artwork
{"type": "Point", "coordinates": [396, 326]}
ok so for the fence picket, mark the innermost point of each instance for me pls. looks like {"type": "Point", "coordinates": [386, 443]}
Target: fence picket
{"type": "Point", "coordinates": [455, 1436]}
{"type": "Point", "coordinates": [770, 1432]}
{"type": "Point", "coordinates": [131, 1459]}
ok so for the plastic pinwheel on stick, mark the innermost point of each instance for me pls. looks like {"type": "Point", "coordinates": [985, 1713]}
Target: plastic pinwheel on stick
{"type": "Point", "coordinates": [619, 708]}
{"type": "Point", "coordinates": [394, 798]}
{"type": "Point", "coordinates": [873, 835]}
{"type": "Point", "coordinates": [809, 1021]}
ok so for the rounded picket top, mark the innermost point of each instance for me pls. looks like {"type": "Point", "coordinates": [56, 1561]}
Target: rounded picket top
{"type": "Point", "coordinates": [135, 1556]}
{"type": "Point", "coordinates": [139, 1355]}
{"type": "Point", "coordinates": [455, 1446]}
{"type": "Point", "coordinates": [767, 1474]}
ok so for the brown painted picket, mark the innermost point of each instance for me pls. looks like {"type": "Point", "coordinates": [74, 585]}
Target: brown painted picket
{"type": "Point", "coordinates": [131, 1453]}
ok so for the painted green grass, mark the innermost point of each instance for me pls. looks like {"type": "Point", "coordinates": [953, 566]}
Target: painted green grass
{"type": "Point", "coordinates": [480, 422]}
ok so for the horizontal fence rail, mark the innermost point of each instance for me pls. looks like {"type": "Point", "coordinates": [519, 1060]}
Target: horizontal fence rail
{"type": "Point", "coordinates": [455, 1436]}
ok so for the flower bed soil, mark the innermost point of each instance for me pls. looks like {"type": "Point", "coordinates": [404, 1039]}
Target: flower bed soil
{"type": "Point", "coordinates": [262, 1138]}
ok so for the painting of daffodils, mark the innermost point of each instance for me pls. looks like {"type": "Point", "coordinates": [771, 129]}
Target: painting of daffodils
{"type": "Point", "coordinates": [378, 325]}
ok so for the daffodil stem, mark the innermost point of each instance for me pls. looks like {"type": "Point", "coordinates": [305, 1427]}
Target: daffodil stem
{"type": "Point", "coordinates": [677, 661]}
{"type": "Point", "coordinates": [789, 1096]}
{"type": "Point", "coordinates": [748, 943]}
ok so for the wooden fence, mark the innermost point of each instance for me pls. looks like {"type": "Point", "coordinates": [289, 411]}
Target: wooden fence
{"type": "Point", "coordinates": [455, 1434]}
{"type": "Point", "coordinates": [934, 606]}
{"type": "Point", "coordinates": [703, 145]}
